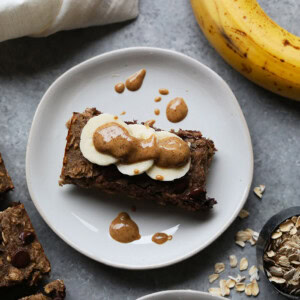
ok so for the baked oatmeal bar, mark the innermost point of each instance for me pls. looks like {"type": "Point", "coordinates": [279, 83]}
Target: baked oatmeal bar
{"type": "Point", "coordinates": [22, 258]}
{"type": "Point", "coordinates": [187, 192]}
{"type": "Point", "coordinates": [5, 180]}
{"type": "Point", "coordinates": [54, 290]}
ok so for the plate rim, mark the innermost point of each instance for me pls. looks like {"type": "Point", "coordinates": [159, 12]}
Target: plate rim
{"type": "Point", "coordinates": [151, 50]}
{"type": "Point", "coordinates": [186, 291]}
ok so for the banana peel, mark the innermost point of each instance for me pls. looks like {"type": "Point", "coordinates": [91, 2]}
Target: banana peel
{"type": "Point", "coordinates": [252, 43]}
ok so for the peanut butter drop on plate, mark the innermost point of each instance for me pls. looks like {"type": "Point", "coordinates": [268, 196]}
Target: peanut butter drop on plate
{"type": "Point", "coordinates": [157, 111]}
{"type": "Point", "coordinates": [163, 91]}
{"type": "Point", "coordinates": [135, 81]}
{"type": "Point", "coordinates": [123, 229]}
{"type": "Point", "coordinates": [160, 238]}
{"type": "Point", "coordinates": [176, 110]}
{"type": "Point", "coordinates": [120, 87]}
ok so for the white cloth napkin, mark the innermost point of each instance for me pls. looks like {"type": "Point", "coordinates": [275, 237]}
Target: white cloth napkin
{"type": "Point", "coordinates": [44, 17]}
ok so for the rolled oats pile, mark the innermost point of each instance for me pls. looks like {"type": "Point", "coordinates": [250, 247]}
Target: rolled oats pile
{"type": "Point", "coordinates": [282, 257]}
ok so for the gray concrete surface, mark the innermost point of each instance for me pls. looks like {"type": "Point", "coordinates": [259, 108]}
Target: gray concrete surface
{"type": "Point", "coordinates": [27, 68]}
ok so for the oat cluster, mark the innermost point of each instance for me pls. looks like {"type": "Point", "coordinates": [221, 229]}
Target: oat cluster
{"type": "Point", "coordinates": [282, 257]}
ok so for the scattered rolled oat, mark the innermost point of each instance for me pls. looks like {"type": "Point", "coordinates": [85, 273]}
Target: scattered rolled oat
{"type": "Point", "coordinates": [243, 264]}
{"type": "Point", "coordinates": [240, 286]}
{"type": "Point", "coordinates": [225, 291]}
{"type": "Point", "coordinates": [255, 288]}
{"type": "Point", "coordinates": [230, 283]}
{"type": "Point", "coordinates": [259, 190]}
{"type": "Point", "coordinates": [247, 235]}
{"type": "Point", "coordinates": [254, 238]}
{"type": "Point", "coordinates": [240, 243]}
{"type": "Point", "coordinates": [243, 236]}
{"type": "Point", "coordinates": [213, 277]}
{"type": "Point", "coordinates": [253, 272]}
{"type": "Point", "coordinates": [238, 279]}
{"type": "Point", "coordinates": [215, 291]}
{"type": "Point", "coordinates": [219, 268]}
{"type": "Point", "coordinates": [243, 214]}
{"type": "Point", "coordinates": [233, 261]}
{"type": "Point", "coordinates": [248, 289]}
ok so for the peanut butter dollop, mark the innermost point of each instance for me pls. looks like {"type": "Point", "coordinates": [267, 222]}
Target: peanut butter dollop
{"type": "Point", "coordinates": [120, 87]}
{"type": "Point", "coordinates": [135, 81]}
{"type": "Point", "coordinates": [123, 229]}
{"type": "Point", "coordinates": [161, 238]}
{"type": "Point", "coordinates": [173, 152]}
{"type": "Point", "coordinates": [176, 110]}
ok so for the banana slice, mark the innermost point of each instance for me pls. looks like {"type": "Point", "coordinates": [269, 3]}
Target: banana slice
{"type": "Point", "coordinates": [167, 174]}
{"type": "Point", "coordinates": [87, 147]}
{"type": "Point", "coordinates": [140, 132]}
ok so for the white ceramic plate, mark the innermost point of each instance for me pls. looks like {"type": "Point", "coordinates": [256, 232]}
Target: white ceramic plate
{"type": "Point", "coordinates": [180, 295]}
{"type": "Point", "coordinates": [82, 217]}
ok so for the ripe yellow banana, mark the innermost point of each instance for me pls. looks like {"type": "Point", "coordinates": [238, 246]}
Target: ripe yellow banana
{"type": "Point", "coordinates": [252, 43]}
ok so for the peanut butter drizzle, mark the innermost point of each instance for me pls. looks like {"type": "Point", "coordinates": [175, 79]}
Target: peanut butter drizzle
{"type": "Point", "coordinates": [173, 152]}
{"type": "Point", "coordinates": [115, 140]}
{"type": "Point", "coordinates": [176, 110]}
{"type": "Point", "coordinates": [123, 229]}
{"type": "Point", "coordinates": [144, 149]}
{"type": "Point", "coordinates": [120, 87]}
{"type": "Point", "coordinates": [163, 91]}
{"type": "Point", "coordinates": [160, 238]}
{"type": "Point", "coordinates": [135, 81]}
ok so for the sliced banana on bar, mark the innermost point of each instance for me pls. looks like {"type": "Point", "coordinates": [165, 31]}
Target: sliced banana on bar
{"type": "Point", "coordinates": [167, 174]}
{"type": "Point", "coordinates": [87, 147]}
{"type": "Point", "coordinates": [140, 132]}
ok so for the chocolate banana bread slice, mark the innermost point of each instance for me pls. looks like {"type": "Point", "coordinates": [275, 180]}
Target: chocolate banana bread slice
{"type": "Point", "coordinates": [22, 258]}
{"type": "Point", "coordinates": [187, 192]}
{"type": "Point", "coordinates": [54, 290]}
{"type": "Point", "coordinates": [5, 180]}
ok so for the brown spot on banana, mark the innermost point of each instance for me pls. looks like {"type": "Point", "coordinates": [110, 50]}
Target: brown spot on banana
{"type": "Point", "coordinates": [246, 69]}
{"type": "Point", "coordinates": [240, 32]}
{"type": "Point", "coordinates": [288, 43]}
{"type": "Point", "coordinates": [231, 45]}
